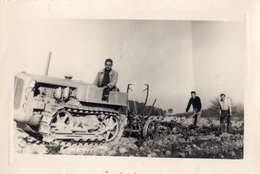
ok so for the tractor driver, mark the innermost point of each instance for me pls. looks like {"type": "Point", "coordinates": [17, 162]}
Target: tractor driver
{"type": "Point", "coordinates": [106, 78]}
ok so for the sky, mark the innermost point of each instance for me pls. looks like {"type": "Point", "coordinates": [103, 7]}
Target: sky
{"type": "Point", "coordinates": [173, 57]}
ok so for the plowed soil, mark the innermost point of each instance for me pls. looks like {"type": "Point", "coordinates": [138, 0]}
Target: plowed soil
{"type": "Point", "coordinates": [182, 141]}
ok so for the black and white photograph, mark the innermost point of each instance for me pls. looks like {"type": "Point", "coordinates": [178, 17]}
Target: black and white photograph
{"type": "Point", "coordinates": [128, 89]}
{"type": "Point", "coordinates": [143, 88]}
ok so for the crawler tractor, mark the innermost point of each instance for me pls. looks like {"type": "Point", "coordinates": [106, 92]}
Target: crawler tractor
{"type": "Point", "coordinates": [59, 109]}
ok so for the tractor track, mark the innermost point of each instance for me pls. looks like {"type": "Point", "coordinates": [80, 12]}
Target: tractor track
{"type": "Point", "coordinates": [27, 142]}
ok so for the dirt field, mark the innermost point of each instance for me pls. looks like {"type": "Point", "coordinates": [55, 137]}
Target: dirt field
{"type": "Point", "coordinates": [181, 142]}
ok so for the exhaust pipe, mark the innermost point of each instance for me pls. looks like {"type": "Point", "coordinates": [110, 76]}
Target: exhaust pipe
{"type": "Point", "coordinates": [47, 65]}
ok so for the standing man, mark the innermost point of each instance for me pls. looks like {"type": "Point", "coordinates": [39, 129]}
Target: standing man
{"type": "Point", "coordinates": [106, 78]}
{"type": "Point", "coordinates": [196, 104]}
{"type": "Point", "coordinates": [225, 112]}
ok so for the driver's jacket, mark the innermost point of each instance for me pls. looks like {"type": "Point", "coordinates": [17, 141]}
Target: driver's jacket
{"type": "Point", "coordinates": [113, 77]}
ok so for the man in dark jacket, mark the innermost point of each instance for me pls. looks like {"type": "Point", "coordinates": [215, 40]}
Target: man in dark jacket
{"type": "Point", "coordinates": [196, 104]}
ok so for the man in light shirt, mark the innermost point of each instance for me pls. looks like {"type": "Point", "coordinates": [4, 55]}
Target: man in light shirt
{"type": "Point", "coordinates": [225, 112]}
{"type": "Point", "coordinates": [107, 78]}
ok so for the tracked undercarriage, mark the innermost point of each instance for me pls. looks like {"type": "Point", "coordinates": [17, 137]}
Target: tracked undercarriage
{"type": "Point", "coordinates": [72, 127]}
{"type": "Point", "coordinates": [84, 124]}
{"type": "Point", "coordinates": [80, 124]}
